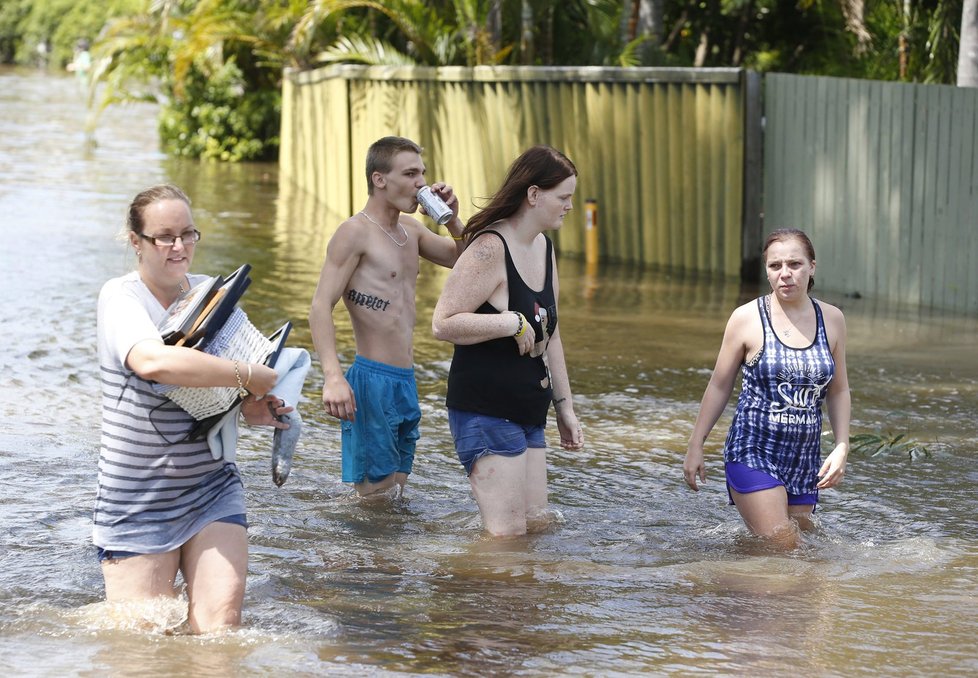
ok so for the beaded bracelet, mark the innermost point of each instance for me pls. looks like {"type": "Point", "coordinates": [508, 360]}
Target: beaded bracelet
{"type": "Point", "coordinates": [521, 328]}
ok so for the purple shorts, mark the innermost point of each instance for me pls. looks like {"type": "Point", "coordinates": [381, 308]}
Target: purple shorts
{"type": "Point", "coordinates": [744, 480]}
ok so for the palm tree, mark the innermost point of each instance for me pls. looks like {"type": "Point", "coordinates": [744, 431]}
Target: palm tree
{"type": "Point", "coordinates": [458, 32]}
{"type": "Point", "coordinates": [201, 61]}
{"type": "Point", "coordinates": [465, 32]}
{"type": "Point", "coordinates": [642, 19]}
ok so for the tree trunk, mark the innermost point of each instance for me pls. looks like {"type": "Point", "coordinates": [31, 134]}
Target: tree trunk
{"type": "Point", "coordinates": [968, 47]}
{"type": "Point", "coordinates": [737, 57]}
{"type": "Point", "coordinates": [494, 25]}
{"type": "Point", "coordinates": [650, 20]}
{"type": "Point", "coordinates": [854, 12]}
{"type": "Point", "coordinates": [526, 33]}
{"type": "Point", "coordinates": [625, 26]}
{"type": "Point", "coordinates": [650, 26]}
{"type": "Point", "coordinates": [702, 49]}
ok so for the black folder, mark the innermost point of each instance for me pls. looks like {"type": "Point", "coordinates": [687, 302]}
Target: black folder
{"type": "Point", "coordinates": [184, 312]}
{"type": "Point", "coordinates": [225, 298]}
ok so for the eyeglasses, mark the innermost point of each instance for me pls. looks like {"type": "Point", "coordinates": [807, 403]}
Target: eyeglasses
{"type": "Point", "coordinates": [187, 238]}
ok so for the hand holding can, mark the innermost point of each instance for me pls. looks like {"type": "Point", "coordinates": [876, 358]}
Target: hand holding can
{"type": "Point", "coordinates": [434, 206]}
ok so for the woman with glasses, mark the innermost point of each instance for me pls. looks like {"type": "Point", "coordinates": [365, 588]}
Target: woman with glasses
{"type": "Point", "coordinates": [164, 504]}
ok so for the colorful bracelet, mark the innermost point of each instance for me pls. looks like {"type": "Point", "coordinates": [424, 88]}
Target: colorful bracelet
{"type": "Point", "coordinates": [456, 238]}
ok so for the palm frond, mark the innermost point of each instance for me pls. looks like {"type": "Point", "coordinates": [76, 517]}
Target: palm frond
{"type": "Point", "coordinates": [630, 55]}
{"type": "Point", "coordinates": [364, 50]}
{"type": "Point", "coordinates": [878, 444]}
{"type": "Point", "coordinates": [419, 23]}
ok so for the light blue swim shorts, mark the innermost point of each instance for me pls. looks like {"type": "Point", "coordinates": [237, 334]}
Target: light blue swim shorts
{"type": "Point", "coordinates": [382, 440]}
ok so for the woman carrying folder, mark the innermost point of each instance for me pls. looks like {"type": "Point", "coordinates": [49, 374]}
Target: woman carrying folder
{"type": "Point", "coordinates": [164, 504]}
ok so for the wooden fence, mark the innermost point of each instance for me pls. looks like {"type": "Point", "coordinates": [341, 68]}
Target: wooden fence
{"type": "Point", "coordinates": [661, 150]}
{"type": "Point", "coordinates": [884, 178]}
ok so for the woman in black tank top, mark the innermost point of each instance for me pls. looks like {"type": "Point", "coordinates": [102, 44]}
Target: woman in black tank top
{"type": "Point", "coordinates": [499, 308]}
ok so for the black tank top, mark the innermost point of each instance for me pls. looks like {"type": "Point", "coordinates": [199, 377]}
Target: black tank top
{"type": "Point", "coordinates": [491, 377]}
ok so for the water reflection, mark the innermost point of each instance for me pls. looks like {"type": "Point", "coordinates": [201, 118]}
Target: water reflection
{"type": "Point", "coordinates": [641, 577]}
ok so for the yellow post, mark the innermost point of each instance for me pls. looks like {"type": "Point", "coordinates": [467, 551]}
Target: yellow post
{"type": "Point", "coordinates": [591, 232]}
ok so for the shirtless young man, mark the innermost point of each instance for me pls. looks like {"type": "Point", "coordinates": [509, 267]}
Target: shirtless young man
{"type": "Point", "coordinates": [372, 263]}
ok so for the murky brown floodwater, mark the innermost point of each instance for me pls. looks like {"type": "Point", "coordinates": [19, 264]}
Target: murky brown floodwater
{"type": "Point", "coordinates": [642, 577]}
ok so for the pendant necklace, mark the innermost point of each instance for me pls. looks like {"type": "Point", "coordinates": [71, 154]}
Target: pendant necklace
{"type": "Point", "coordinates": [386, 232]}
{"type": "Point", "coordinates": [786, 331]}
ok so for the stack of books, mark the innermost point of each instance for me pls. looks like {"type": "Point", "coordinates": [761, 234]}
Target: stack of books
{"type": "Point", "coordinates": [207, 318]}
{"type": "Point", "coordinates": [203, 309]}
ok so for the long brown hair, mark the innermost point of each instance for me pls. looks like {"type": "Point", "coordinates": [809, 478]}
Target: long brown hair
{"type": "Point", "coordinates": [542, 166]}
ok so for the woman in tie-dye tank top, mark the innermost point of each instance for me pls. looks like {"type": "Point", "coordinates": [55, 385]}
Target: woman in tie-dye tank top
{"type": "Point", "coordinates": [791, 351]}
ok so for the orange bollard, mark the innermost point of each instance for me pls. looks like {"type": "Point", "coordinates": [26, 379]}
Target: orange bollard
{"type": "Point", "coordinates": [591, 232]}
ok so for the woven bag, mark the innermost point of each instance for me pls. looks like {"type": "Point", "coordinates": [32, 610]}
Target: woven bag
{"type": "Point", "coordinates": [237, 340]}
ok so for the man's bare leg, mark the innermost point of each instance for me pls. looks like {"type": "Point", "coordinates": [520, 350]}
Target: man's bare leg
{"type": "Point", "coordinates": [382, 488]}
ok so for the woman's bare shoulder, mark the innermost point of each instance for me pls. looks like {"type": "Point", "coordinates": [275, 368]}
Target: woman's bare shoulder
{"type": "Point", "coordinates": [829, 309]}
{"type": "Point", "coordinates": [834, 319]}
{"type": "Point", "coordinates": [485, 248]}
{"type": "Point", "coordinates": [745, 313]}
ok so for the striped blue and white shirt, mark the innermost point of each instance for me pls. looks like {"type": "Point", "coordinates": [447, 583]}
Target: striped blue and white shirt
{"type": "Point", "coordinates": [155, 489]}
{"type": "Point", "coordinates": [777, 427]}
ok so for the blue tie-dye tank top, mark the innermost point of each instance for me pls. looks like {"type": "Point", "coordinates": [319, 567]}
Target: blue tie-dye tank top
{"type": "Point", "coordinates": [777, 427]}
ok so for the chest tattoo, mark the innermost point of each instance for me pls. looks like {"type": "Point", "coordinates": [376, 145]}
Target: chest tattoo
{"type": "Point", "coordinates": [368, 301]}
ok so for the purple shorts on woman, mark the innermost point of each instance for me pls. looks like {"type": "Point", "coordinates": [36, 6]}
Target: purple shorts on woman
{"type": "Point", "coordinates": [744, 479]}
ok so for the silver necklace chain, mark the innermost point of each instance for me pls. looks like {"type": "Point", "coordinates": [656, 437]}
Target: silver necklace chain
{"type": "Point", "coordinates": [786, 331]}
{"type": "Point", "coordinates": [386, 232]}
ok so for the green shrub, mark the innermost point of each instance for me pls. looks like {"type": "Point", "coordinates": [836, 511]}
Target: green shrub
{"type": "Point", "coordinates": [217, 118]}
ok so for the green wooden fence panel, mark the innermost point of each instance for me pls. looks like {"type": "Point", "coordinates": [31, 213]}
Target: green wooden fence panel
{"type": "Point", "coordinates": [884, 178]}
{"type": "Point", "coordinates": [661, 150]}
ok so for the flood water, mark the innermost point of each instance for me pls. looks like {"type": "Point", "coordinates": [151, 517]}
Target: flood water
{"type": "Point", "coordinates": [641, 576]}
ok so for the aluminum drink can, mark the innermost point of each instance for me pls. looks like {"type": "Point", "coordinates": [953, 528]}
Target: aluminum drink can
{"type": "Point", "coordinates": [434, 206]}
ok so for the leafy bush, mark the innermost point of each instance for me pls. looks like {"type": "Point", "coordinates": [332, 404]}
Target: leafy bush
{"type": "Point", "coordinates": [57, 25]}
{"type": "Point", "coordinates": [217, 118]}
